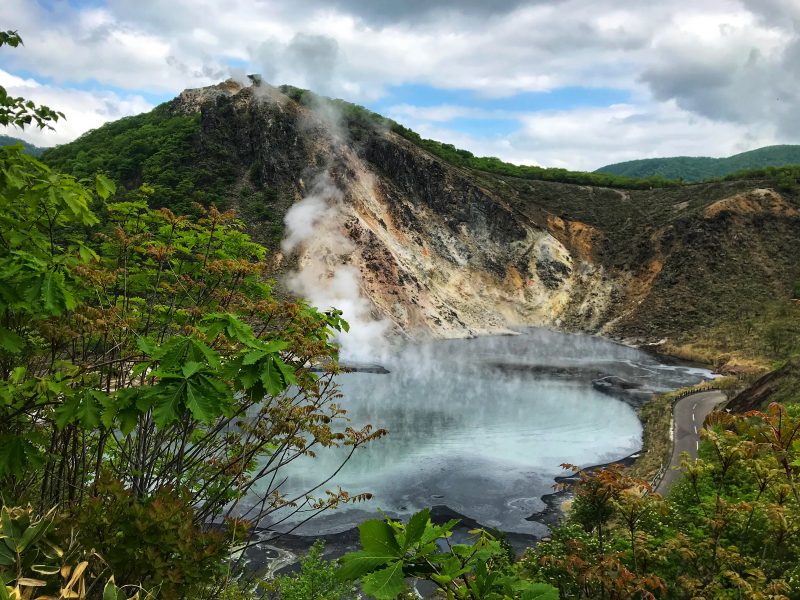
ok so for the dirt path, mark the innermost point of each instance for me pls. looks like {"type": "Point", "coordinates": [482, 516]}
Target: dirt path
{"type": "Point", "coordinates": [689, 414]}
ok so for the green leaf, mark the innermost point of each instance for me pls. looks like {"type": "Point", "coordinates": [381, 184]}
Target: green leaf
{"type": "Point", "coordinates": [7, 557]}
{"type": "Point", "coordinates": [87, 254]}
{"type": "Point", "coordinates": [249, 377]}
{"type": "Point", "coordinates": [66, 412]}
{"type": "Point", "coordinates": [51, 293]}
{"type": "Point", "coordinates": [483, 581]}
{"type": "Point", "coordinates": [35, 531]}
{"type": "Point", "coordinates": [13, 455]}
{"type": "Point", "coordinates": [18, 375]}
{"type": "Point", "coordinates": [146, 345]}
{"type": "Point", "coordinates": [271, 376]}
{"type": "Point", "coordinates": [234, 328]}
{"type": "Point", "coordinates": [207, 398]}
{"type": "Point", "coordinates": [287, 373]}
{"type": "Point", "coordinates": [253, 357]}
{"type": "Point", "coordinates": [416, 527]}
{"type": "Point", "coordinates": [104, 187]}
{"type": "Point", "coordinates": [540, 591]}
{"type": "Point", "coordinates": [167, 402]}
{"type": "Point", "coordinates": [198, 350]}
{"type": "Point", "coordinates": [89, 412]}
{"type": "Point", "coordinates": [190, 368]}
{"type": "Point", "coordinates": [128, 419]}
{"type": "Point", "coordinates": [112, 592]}
{"type": "Point", "coordinates": [387, 583]}
{"type": "Point", "coordinates": [237, 330]}
{"type": "Point", "coordinates": [377, 537]}
{"type": "Point", "coordinates": [172, 353]}
{"type": "Point", "coordinates": [55, 295]}
{"type": "Point", "coordinates": [9, 529]}
{"type": "Point", "coordinates": [435, 532]}
{"type": "Point", "coordinates": [273, 346]}
{"type": "Point", "coordinates": [10, 341]}
{"type": "Point", "coordinates": [74, 200]}
{"type": "Point", "coordinates": [70, 303]}
{"type": "Point", "coordinates": [358, 564]}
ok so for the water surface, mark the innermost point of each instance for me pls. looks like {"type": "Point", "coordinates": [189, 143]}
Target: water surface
{"type": "Point", "coordinates": [482, 425]}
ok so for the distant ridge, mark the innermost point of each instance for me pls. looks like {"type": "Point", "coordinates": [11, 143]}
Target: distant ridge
{"type": "Point", "coordinates": [700, 168]}
{"type": "Point", "coordinates": [7, 140]}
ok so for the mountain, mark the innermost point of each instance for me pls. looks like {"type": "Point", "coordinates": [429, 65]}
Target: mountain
{"type": "Point", "coordinates": [447, 244]}
{"type": "Point", "coordinates": [6, 140]}
{"type": "Point", "coordinates": [702, 168]}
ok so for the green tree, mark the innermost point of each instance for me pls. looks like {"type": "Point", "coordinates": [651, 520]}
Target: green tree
{"type": "Point", "coordinates": [316, 579]}
{"type": "Point", "coordinates": [149, 376]}
{"type": "Point", "coordinates": [729, 529]}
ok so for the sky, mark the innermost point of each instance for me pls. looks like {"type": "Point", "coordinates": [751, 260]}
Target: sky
{"type": "Point", "coordinates": [559, 83]}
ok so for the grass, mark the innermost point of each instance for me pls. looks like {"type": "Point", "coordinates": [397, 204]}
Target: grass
{"type": "Point", "coordinates": [656, 417]}
{"type": "Point", "coordinates": [749, 346]}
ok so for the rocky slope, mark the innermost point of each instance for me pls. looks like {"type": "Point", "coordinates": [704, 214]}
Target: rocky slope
{"type": "Point", "coordinates": [780, 385]}
{"type": "Point", "coordinates": [440, 250]}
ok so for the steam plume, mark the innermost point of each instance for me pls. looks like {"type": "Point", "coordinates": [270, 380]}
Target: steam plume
{"type": "Point", "coordinates": [314, 231]}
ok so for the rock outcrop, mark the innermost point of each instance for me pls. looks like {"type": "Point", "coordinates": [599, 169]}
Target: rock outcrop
{"type": "Point", "coordinates": [437, 253]}
{"type": "Point", "coordinates": [441, 250]}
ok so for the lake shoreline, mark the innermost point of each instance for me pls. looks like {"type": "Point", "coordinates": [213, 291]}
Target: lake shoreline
{"type": "Point", "coordinates": [610, 367]}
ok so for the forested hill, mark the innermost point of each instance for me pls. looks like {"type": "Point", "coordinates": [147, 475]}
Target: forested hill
{"type": "Point", "coordinates": [701, 168]}
{"type": "Point", "coordinates": [7, 140]}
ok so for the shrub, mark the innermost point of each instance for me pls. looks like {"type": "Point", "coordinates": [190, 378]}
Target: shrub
{"type": "Point", "coordinates": [316, 579]}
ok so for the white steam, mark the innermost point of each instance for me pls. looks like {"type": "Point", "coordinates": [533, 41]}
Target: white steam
{"type": "Point", "coordinates": [323, 277]}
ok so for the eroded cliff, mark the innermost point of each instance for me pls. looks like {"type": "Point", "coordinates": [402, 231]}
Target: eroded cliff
{"type": "Point", "coordinates": [436, 249]}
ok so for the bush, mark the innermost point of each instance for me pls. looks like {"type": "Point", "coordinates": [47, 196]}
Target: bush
{"type": "Point", "coordinates": [316, 579]}
{"type": "Point", "coordinates": [151, 542]}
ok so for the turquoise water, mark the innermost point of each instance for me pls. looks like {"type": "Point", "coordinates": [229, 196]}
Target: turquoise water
{"type": "Point", "coordinates": [482, 425]}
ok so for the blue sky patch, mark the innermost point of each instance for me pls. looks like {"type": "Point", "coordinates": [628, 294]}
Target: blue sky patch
{"type": "Point", "coordinates": [484, 127]}
{"type": "Point", "coordinates": [483, 123]}
{"type": "Point", "coordinates": [565, 98]}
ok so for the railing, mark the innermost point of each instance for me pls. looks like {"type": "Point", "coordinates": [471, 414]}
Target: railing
{"type": "Point", "coordinates": [696, 390]}
{"type": "Point", "coordinates": [662, 470]}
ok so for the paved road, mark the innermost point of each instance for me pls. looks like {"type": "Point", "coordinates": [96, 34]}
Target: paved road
{"type": "Point", "coordinates": [689, 414]}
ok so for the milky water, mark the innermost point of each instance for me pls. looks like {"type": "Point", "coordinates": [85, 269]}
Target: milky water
{"type": "Point", "coordinates": [481, 426]}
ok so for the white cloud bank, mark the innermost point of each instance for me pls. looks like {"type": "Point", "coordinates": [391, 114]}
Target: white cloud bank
{"type": "Point", "coordinates": [84, 110]}
{"type": "Point", "coordinates": [707, 77]}
{"type": "Point", "coordinates": [588, 138]}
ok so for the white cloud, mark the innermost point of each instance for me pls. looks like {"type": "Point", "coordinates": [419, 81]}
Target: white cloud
{"type": "Point", "coordinates": [734, 71]}
{"type": "Point", "coordinates": [728, 68]}
{"type": "Point", "coordinates": [589, 138]}
{"type": "Point", "coordinates": [514, 46]}
{"type": "Point", "coordinates": [83, 110]}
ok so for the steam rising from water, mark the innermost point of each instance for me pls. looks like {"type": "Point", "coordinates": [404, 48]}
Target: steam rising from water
{"type": "Point", "coordinates": [314, 230]}
{"type": "Point", "coordinates": [481, 425]}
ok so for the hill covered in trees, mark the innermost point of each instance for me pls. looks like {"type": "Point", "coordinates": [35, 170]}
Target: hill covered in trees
{"type": "Point", "coordinates": [701, 168]}
{"type": "Point", "coordinates": [7, 140]}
